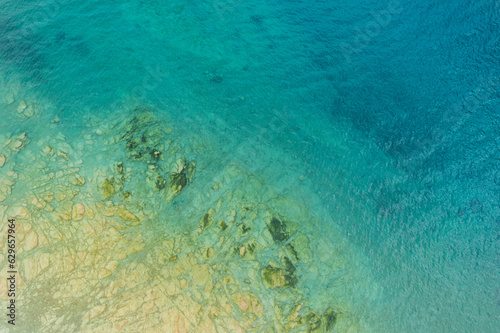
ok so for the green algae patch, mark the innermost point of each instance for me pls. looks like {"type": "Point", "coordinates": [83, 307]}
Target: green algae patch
{"type": "Point", "coordinates": [316, 323]}
{"type": "Point", "coordinates": [273, 277]}
{"type": "Point", "coordinates": [178, 180]}
{"type": "Point", "coordinates": [278, 230]}
{"type": "Point", "coordinates": [108, 188]}
{"type": "Point", "coordinates": [247, 250]}
{"type": "Point", "coordinates": [251, 247]}
{"type": "Point", "coordinates": [222, 225]}
{"type": "Point", "coordinates": [289, 265]}
{"type": "Point", "coordinates": [155, 154]}
{"type": "Point", "coordinates": [209, 252]}
{"type": "Point", "coordinates": [143, 137]}
{"type": "Point", "coordinates": [127, 195]}
{"type": "Point", "coordinates": [313, 321]}
{"type": "Point", "coordinates": [205, 221]}
{"type": "Point", "coordinates": [276, 277]}
{"type": "Point", "coordinates": [329, 319]}
{"type": "Point", "coordinates": [290, 251]}
{"type": "Point", "coordinates": [160, 183]}
{"type": "Point", "coordinates": [245, 229]}
{"type": "Point", "coordinates": [119, 168]}
{"type": "Point", "coordinates": [191, 168]}
{"type": "Point", "coordinates": [290, 270]}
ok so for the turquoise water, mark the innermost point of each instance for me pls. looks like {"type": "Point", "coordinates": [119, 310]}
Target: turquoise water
{"type": "Point", "coordinates": [381, 120]}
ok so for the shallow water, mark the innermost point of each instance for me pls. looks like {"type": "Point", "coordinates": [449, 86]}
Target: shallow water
{"type": "Point", "coordinates": [370, 129]}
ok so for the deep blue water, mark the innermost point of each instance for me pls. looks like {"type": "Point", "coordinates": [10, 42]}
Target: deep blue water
{"type": "Point", "coordinates": [390, 109]}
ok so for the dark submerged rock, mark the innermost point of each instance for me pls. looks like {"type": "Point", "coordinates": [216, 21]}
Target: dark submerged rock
{"type": "Point", "coordinates": [178, 180]}
{"type": "Point", "coordinates": [278, 230]}
{"type": "Point", "coordinates": [223, 225]}
{"type": "Point", "coordinates": [160, 183]}
{"type": "Point", "coordinates": [205, 221]}
{"type": "Point", "coordinates": [276, 277]}
{"type": "Point", "coordinates": [329, 319]}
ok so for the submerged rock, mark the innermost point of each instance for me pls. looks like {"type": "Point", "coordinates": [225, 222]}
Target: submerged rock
{"type": "Point", "coordinates": [291, 252]}
{"type": "Point", "coordinates": [245, 229]}
{"type": "Point", "coordinates": [273, 277]}
{"type": "Point", "coordinates": [222, 225]}
{"type": "Point", "coordinates": [142, 138]}
{"type": "Point", "coordinates": [316, 323]}
{"type": "Point", "coordinates": [160, 183]}
{"type": "Point", "coordinates": [179, 179]}
{"type": "Point", "coordinates": [18, 142]}
{"type": "Point", "coordinates": [119, 168]}
{"type": "Point", "coordinates": [48, 150]}
{"type": "Point", "coordinates": [108, 188]}
{"type": "Point", "coordinates": [278, 230]}
{"type": "Point", "coordinates": [300, 248]}
{"type": "Point", "coordinates": [29, 111]}
{"type": "Point", "coordinates": [119, 211]}
{"type": "Point", "coordinates": [329, 319]}
{"type": "Point", "coordinates": [155, 154]}
{"type": "Point", "coordinates": [191, 170]}
{"type": "Point", "coordinates": [205, 221]}
{"type": "Point", "coordinates": [5, 188]}
{"type": "Point", "coordinates": [252, 246]}
{"type": "Point", "coordinates": [248, 303]}
{"type": "Point", "coordinates": [77, 211]}
{"type": "Point", "coordinates": [276, 277]}
{"type": "Point", "coordinates": [22, 106]}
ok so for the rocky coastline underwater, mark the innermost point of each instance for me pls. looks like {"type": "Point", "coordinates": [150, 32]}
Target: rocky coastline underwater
{"type": "Point", "coordinates": [115, 234]}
